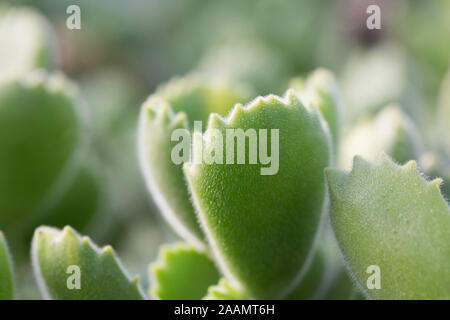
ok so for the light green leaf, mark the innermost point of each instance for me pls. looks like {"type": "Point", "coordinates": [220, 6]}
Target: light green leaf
{"type": "Point", "coordinates": [27, 42]}
{"type": "Point", "coordinates": [321, 89]}
{"type": "Point", "coordinates": [62, 260]}
{"type": "Point", "coordinates": [443, 113]}
{"type": "Point", "coordinates": [182, 273]}
{"type": "Point", "coordinates": [436, 165]}
{"type": "Point", "coordinates": [390, 131]}
{"type": "Point", "coordinates": [389, 216]}
{"type": "Point", "coordinates": [6, 271]}
{"type": "Point", "coordinates": [224, 291]}
{"type": "Point", "coordinates": [373, 77]}
{"type": "Point", "coordinates": [176, 106]}
{"type": "Point", "coordinates": [261, 219]}
{"type": "Point", "coordinates": [41, 139]}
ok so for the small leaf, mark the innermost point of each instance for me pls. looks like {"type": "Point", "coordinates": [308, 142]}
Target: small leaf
{"type": "Point", "coordinates": [6, 271]}
{"type": "Point", "coordinates": [261, 219]}
{"type": "Point", "coordinates": [390, 131]}
{"type": "Point", "coordinates": [68, 266]}
{"type": "Point", "coordinates": [388, 216]}
{"type": "Point", "coordinates": [176, 106]}
{"type": "Point", "coordinates": [182, 273]}
{"type": "Point", "coordinates": [224, 291]}
{"type": "Point", "coordinates": [41, 139]}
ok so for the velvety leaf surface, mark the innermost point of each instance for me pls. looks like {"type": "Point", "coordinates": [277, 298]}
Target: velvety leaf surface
{"type": "Point", "coordinates": [54, 252]}
{"type": "Point", "coordinates": [321, 89]}
{"type": "Point", "coordinates": [176, 106]}
{"type": "Point", "coordinates": [6, 271]}
{"type": "Point", "coordinates": [182, 273]}
{"type": "Point", "coordinates": [224, 291]}
{"type": "Point", "coordinates": [261, 226]}
{"type": "Point", "coordinates": [389, 216]}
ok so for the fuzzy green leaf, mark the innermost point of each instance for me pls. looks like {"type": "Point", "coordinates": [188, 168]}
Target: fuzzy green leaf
{"type": "Point", "coordinates": [389, 216]}
{"type": "Point", "coordinates": [176, 106]}
{"type": "Point", "coordinates": [182, 273]}
{"type": "Point", "coordinates": [6, 271]}
{"type": "Point", "coordinates": [41, 139]}
{"type": "Point", "coordinates": [60, 256]}
{"type": "Point", "coordinates": [390, 131]}
{"type": "Point", "coordinates": [321, 89]}
{"type": "Point", "coordinates": [443, 112]}
{"type": "Point", "coordinates": [261, 224]}
{"type": "Point", "coordinates": [224, 291]}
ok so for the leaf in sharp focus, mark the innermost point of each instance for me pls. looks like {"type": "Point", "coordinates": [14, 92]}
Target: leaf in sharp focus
{"type": "Point", "coordinates": [6, 271]}
{"type": "Point", "coordinates": [435, 165]}
{"type": "Point", "coordinates": [27, 42]}
{"type": "Point", "coordinates": [70, 267]}
{"type": "Point", "coordinates": [41, 137]}
{"type": "Point", "coordinates": [176, 106]}
{"type": "Point", "coordinates": [389, 216]}
{"type": "Point", "coordinates": [390, 131]}
{"type": "Point", "coordinates": [182, 273]}
{"type": "Point", "coordinates": [261, 219]}
{"type": "Point", "coordinates": [224, 291]}
{"type": "Point", "coordinates": [321, 89]}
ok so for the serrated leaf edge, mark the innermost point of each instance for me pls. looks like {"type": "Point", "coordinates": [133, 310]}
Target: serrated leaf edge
{"type": "Point", "coordinates": [85, 241]}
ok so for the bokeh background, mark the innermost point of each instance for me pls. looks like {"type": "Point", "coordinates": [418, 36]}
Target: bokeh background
{"type": "Point", "coordinates": [125, 49]}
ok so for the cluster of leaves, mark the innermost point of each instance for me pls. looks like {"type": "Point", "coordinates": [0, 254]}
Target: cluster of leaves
{"type": "Point", "coordinates": [246, 235]}
{"type": "Point", "coordinates": [49, 164]}
{"type": "Point", "coordinates": [270, 236]}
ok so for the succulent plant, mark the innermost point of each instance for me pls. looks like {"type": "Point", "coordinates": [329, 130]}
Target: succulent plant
{"type": "Point", "coordinates": [256, 216]}
{"type": "Point", "coordinates": [182, 272]}
{"type": "Point", "coordinates": [176, 106]}
{"type": "Point", "coordinates": [70, 267]}
{"type": "Point", "coordinates": [389, 216]}
{"type": "Point", "coordinates": [38, 164]}
{"type": "Point", "coordinates": [321, 89]}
